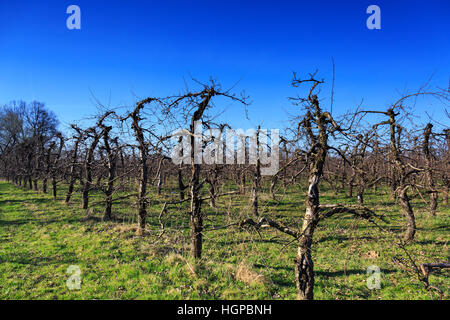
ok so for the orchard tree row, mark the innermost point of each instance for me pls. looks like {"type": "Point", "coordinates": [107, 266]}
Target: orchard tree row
{"type": "Point", "coordinates": [127, 153]}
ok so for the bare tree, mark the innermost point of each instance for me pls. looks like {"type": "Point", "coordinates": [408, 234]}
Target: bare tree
{"type": "Point", "coordinates": [78, 137]}
{"type": "Point", "coordinates": [316, 125]}
{"type": "Point", "coordinates": [111, 163]}
{"type": "Point", "coordinates": [143, 147]}
{"type": "Point", "coordinates": [429, 166]}
{"type": "Point", "coordinates": [194, 105]}
{"type": "Point", "coordinates": [95, 135]}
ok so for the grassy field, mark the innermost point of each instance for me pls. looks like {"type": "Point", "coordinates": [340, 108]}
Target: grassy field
{"type": "Point", "coordinates": [40, 238]}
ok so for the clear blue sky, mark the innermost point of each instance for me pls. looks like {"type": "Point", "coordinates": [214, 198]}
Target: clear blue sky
{"type": "Point", "coordinates": [147, 47]}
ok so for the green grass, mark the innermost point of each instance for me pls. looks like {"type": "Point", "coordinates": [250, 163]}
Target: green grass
{"type": "Point", "coordinates": [40, 238]}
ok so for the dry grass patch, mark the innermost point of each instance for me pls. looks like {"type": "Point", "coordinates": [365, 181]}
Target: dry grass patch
{"type": "Point", "coordinates": [121, 228]}
{"type": "Point", "coordinates": [246, 274]}
{"type": "Point", "coordinates": [371, 255]}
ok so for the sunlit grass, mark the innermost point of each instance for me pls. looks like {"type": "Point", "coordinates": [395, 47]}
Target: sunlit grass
{"type": "Point", "coordinates": [40, 238]}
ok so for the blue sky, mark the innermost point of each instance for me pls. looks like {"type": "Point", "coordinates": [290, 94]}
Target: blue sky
{"type": "Point", "coordinates": [145, 48]}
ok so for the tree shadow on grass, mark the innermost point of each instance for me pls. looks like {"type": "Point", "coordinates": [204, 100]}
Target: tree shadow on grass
{"type": "Point", "coordinates": [69, 258]}
{"type": "Point", "coordinates": [283, 282]}
{"type": "Point", "coordinates": [235, 242]}
{"type": "Point", "coordinates": [27, 200]}
{"type": "Point", "coordinates": [340, 273]}
{"type": "Point", "coordinates": [340, 238]}
{"type": "Point", "coordinates": [433, 242]}
{"type": "Point", "coordinates": [441, 227]}
{"type": "Point", "coordinates": [15, 222]}
{"type": "Point", "coordinates": [38, 221]}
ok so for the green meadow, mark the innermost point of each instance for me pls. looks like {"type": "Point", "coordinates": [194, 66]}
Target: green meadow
{"type": "Point", "coordinates": [40, 238]}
